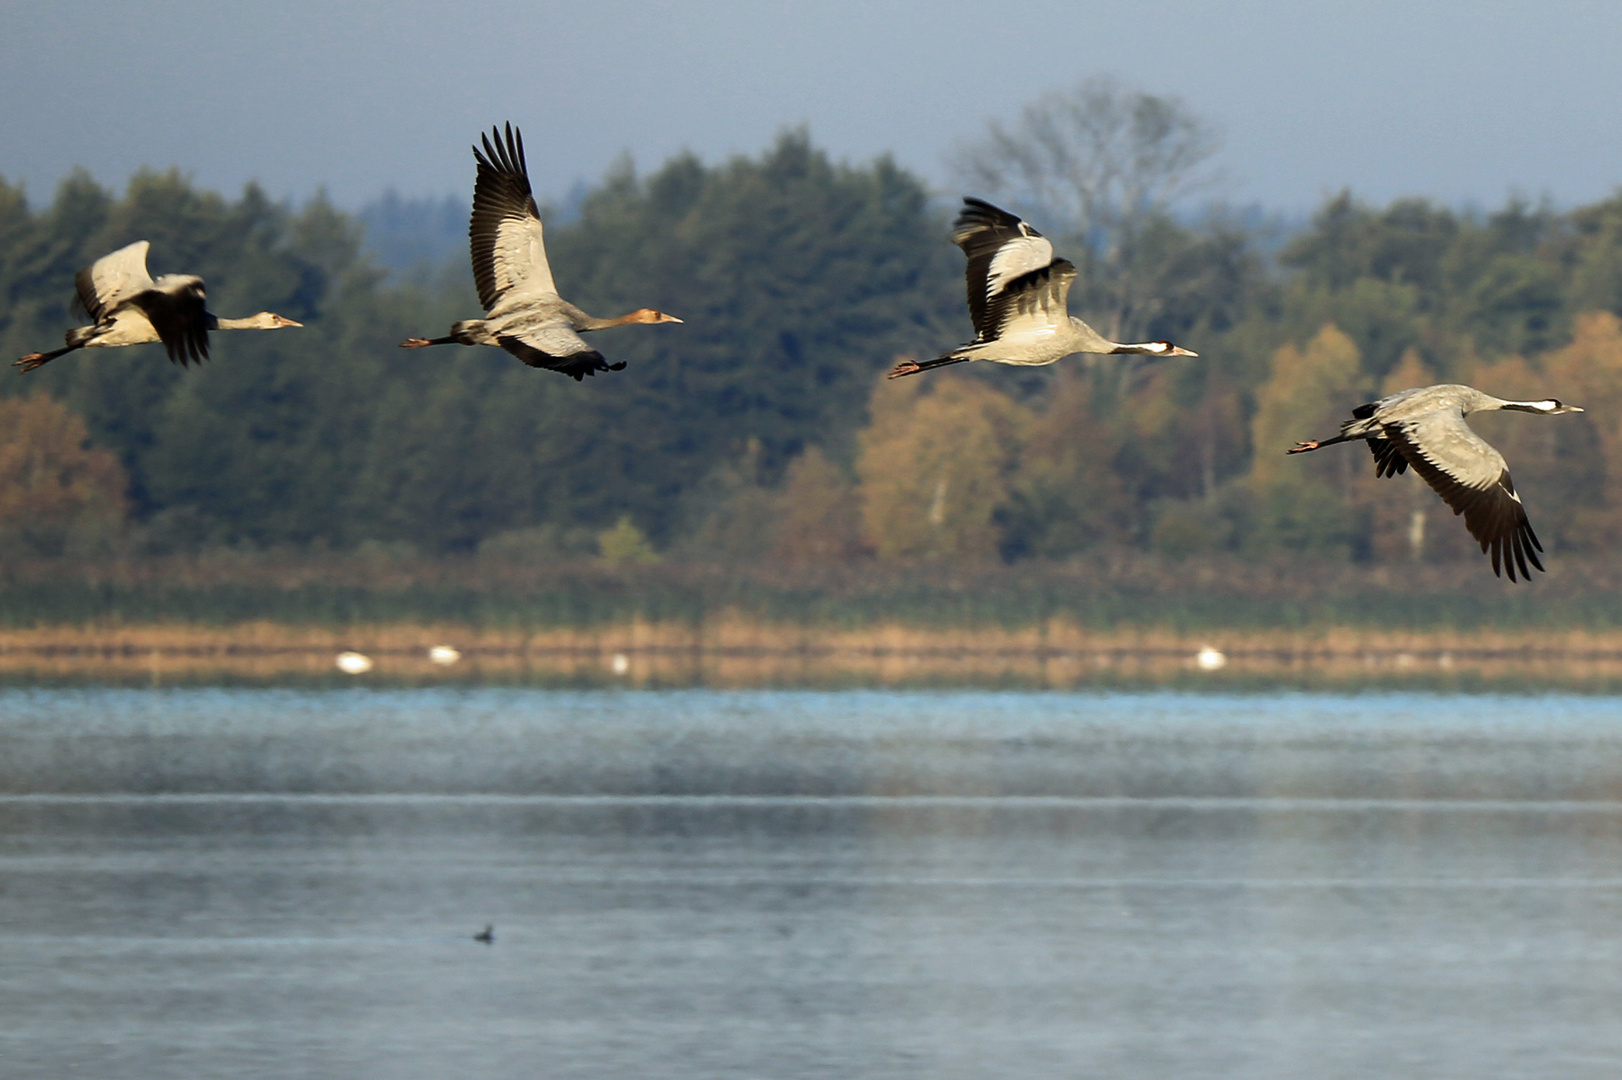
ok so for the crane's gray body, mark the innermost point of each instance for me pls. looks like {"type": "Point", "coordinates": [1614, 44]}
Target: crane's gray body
{"type": "Point", "coordinates": [507, 244]}
{"type": "Point", "coordinates": [1425, 428]}
{"type": "Point", "coordinates": [1431, 419]}
{"type": "Point", "coordinates": [1019, 298]}
{"type": "Point", "coordinates": [128, 307]}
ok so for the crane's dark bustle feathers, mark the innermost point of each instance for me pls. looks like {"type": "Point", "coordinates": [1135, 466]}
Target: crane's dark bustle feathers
{"type": "Point", "coordinates": [177, 313]}
{"type": "Point", "coordinates": [576, 365]}
{"type": "Point", "coordinates": [1363, 412]}
{"type": "Point", "coordinates": [1388, 460]}
{"type": "Point", "coordinates": [1048, 284]}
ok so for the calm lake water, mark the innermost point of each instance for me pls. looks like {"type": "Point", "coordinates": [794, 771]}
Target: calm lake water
{"type": "Point", "coordinates": [265, 883]}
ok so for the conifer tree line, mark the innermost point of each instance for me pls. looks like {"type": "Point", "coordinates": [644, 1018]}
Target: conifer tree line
{"type": "Point", "coordinates": [762, 428]}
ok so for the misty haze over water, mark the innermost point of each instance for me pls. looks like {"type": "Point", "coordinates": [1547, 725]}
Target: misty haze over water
{"type": "Point", "coordinates": [690, 884]}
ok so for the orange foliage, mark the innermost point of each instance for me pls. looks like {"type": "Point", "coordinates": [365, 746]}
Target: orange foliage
{"type": "Point", "coordinates": [935, 465]}
{"type": "Point", "coordinates": [53, 486]}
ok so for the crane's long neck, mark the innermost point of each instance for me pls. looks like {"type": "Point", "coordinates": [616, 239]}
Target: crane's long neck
{"type": "Point", "coordinates": [592, 322]}
{"type": "Point", "coordinates": [265, 320]}
{"type": "Point", "coordinates": [1089, 340]}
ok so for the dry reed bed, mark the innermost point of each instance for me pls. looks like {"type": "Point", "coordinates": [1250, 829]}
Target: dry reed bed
{"type": "Point", "coordinates": [737, 651]}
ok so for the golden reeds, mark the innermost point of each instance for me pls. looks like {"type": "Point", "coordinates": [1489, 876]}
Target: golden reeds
{"type": "Point", "coordinates": [735, 650]}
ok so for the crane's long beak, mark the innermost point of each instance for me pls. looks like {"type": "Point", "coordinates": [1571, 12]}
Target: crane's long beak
{"type": "Point", "coordinates": [1178, 350]}
{"type": "Point", "coordinates": [283, 320]}
{"type": "Point", "coordinates": [670, 318]}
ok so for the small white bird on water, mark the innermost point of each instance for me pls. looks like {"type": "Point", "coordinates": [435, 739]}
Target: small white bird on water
{"type": "Point", "coordinates": [1425, 427]}
{"type": "Point", "coordinates": [128, 307]}
{"type": "Point", "coordinates": [524, 313]}
{"type": "Point", "coordinates": [1019, 298]}
{"type": "Point", "coordinates": [353, 663]}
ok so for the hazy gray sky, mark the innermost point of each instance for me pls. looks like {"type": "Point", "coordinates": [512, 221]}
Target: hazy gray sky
{"type": "Point", "coordinates": [1461, 100]}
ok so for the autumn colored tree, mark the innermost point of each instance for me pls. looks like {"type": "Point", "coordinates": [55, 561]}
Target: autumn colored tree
{"type": "Point", "coordinates": [1564, 467]}
{"type": "Point", "coordinates": [57, 492]}
{"type": "Point", "coordinates": [818, 516]}
{"type": "Point", "coordinates": [935, 465]}
{"type": "Point", "coordinates": [1305, 503]}
{"type": "Point", "coordinates": [1067, 495]}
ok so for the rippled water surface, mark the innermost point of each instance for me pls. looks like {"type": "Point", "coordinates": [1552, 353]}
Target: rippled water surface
{"type": "Point", "coordinates": [284, 884]}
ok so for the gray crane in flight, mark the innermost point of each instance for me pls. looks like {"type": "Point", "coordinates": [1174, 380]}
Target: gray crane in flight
{"type": "Point", "coordinates": [523, 312]}
{"type": "Point", "coordinates": [127, 307]}
{"type": "Point", "coordinates": [1019, 298]}
{"type": "Point", "coordinates": [1425, 428]}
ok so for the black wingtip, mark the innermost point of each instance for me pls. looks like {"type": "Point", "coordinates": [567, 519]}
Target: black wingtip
{"type": "Point", "coordinates": [516, 139]}
{"type": "Point", "coordinates": [977, 213]}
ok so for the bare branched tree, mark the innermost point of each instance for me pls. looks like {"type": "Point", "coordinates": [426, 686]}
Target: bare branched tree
{"type": "Point", "coordinates": [1097, 156]}
{"type": "Point", "coordinates": [1097, 161]}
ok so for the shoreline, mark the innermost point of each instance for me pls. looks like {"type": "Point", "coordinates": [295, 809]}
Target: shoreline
{"type": "Point", "coordinates": [734, 651]}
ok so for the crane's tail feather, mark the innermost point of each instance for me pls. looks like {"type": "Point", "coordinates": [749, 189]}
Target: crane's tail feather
{"type": "Point", "coordinates": [913, 367]}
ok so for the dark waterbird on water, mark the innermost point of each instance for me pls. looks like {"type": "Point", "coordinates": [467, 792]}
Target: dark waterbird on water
{"type": "Point", "coordinates": [1424, 427]}
{"type": "Point", "coordinates": [487, 936]}
{"type": "Point", "coordinates": [524, 313]}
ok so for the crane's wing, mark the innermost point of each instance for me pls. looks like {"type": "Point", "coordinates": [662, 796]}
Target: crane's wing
{"type": "Point", "coordinates": [558, 348]}
{"type": "Point", "coordinates": [505, 233]}
{"type": "Point", "coordinates": [1473, 479]}
{"type": "Point", "coordinates": [1001, 250]}
{"type": "Point", "coordinates": [1035, 304]}
{"type": "Point", "coordinates": [113, 279]}
{"type": "Point", "coordinates": [174, 305]}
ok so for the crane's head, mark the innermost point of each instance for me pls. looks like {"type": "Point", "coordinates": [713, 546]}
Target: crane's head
{"type": "Point", "coordinates": [1548, 407]}
{"type": "Point", "coordinates": [649, 315]}
{"type": "Point", "coordinates": [268, 320]}
{"type": "Point", "coordinates": [1166, 348]}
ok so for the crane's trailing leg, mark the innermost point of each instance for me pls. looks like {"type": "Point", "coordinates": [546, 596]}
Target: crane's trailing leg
{"type": "Point", "coordinates": [1303, 447]}
{"type": "Point", "coordinates": [25, 364]}
{"type": "Point", "coordinates": [422, 342]}
{"type": "Point", "coordinates": [913, 367]}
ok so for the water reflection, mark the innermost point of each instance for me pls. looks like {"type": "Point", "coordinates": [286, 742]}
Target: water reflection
{"type": "Point", "coordinates": [268, 884]}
